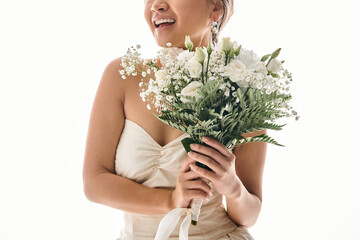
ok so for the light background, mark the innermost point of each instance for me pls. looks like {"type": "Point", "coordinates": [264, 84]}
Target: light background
{"type": "Point", "coordinates": [53, 53]}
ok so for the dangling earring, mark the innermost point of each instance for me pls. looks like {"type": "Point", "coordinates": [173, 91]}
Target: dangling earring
{"type": "Point", "coordinates": [214, 27]}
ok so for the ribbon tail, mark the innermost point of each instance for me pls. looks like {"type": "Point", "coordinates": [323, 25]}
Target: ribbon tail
{"type": "Point", "coordinates": [184, 228]}
{"type": "Point", "coordinates": [168, 223]}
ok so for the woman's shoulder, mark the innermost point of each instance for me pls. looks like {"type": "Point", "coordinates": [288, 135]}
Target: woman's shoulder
{"type": "Point", "coordinates": [112, 79]}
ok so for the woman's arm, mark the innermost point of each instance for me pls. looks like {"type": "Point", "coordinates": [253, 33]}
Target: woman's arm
{"type": "Point", "coordinates": [101, 184]}
{"type": "Point", "coordinates": [244, 208]}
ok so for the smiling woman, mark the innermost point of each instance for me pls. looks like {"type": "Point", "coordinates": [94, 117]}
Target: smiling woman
{"type": "Point", "coordinates": [136, 163]}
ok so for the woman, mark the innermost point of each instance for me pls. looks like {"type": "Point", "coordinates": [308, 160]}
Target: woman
{"type": "Point", "coordinates": [152, 173]}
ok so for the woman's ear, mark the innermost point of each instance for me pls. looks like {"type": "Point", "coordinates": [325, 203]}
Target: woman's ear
{"type": "Point", "coordinates": [217, 9]}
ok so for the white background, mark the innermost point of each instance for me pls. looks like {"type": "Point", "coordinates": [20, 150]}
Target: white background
{"type": "Point", "coordinates": [53, 53]}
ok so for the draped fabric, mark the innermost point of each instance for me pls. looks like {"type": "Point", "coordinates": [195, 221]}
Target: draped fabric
{"type": "Point", "coordinates": [141, 159]}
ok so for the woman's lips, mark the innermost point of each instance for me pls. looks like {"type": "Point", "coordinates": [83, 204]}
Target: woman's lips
{"type": "Point", "coordinates": [165, 26]}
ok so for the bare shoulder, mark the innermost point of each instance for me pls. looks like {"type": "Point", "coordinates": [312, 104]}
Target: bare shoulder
{"type": "Point", "coordinates": [112, 78]}
{"type": "Point", "coordinates": [105, 124]}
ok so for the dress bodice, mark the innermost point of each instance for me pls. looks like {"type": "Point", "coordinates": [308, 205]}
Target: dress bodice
{"type": "Point", "coordinates": [141, 159]}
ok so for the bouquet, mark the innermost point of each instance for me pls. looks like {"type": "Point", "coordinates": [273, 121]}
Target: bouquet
{"type": "Point", "coordinates": [221, 91]}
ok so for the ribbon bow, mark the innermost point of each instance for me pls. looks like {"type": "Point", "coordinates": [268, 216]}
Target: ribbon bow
{"type": "Point", "coordinates": [169, 222]}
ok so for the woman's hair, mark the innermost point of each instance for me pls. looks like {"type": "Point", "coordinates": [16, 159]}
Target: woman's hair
{"type": "Point", "coordinates": [228, 6]}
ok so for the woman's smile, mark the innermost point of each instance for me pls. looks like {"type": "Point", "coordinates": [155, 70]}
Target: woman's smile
{"type": "Point", "coordinates": [164, 26]}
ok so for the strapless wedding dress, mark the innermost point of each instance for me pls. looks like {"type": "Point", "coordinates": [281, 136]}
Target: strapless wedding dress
{"type": "Point", "coordinates": [140, 158]}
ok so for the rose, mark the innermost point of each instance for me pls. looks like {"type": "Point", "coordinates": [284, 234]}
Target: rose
{"type": "Point", "coordinates": [274, 66]}
{"type": "Point", "coordinates": [190, 90]}
{"type": "Point", "coordinates": [194, 68]}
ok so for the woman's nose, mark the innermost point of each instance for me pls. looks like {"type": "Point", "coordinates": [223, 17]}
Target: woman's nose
{"type": "Point", "coordinates": [159, 5]}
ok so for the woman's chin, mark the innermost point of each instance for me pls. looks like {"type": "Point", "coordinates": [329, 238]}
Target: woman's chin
{"type": "Point", "coordinates": [163, 41]}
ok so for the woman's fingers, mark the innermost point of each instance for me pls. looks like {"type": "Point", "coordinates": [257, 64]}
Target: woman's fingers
{"type": "Point", "coordinates": [198, 184]}
{"type": "Point", "coordinates": [198, 194]}
{"type": "Point", "coordinates": [191, 175]}
{"type": "Point", "coordinates": [185, 167]}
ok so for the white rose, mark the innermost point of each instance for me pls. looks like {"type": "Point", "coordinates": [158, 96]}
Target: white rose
{"type": "Point", "coordinates": [194, 67]}
{"type": "Point", "coordinates": [274, 66]}
{"type": "Point", "coordinates": [185, 56]}
{"type": "Point", "coordinates": [190, 90]}
{"type": "Point", "coordinates": [234, 70]}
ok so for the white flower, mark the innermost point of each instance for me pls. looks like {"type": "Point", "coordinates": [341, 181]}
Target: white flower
{"type": "Point", "coordinates": [194, 68]}
{"type": "Point", "coordinates": [235, 67]}
{"type": "Point", "coordinates": [188, 43]}
{"type": "Point", "coordinates": [249, 58]}
{"type": "Point", "coordinates": [160, 75]}
{"type": "Point", "coordinates": [185, 56]}
{"type": "Point", "coordinates": [235, 71]}
{"type": "Point", "coordinates": [190, 90]}
{"type": "Point", "coordinates": [199, 55]}
{"type": "Point", "coordinates": [227, 45]}
{"type": "Point", "coordinates": [259, 85]}
{"type": "Point", "coordinates": [274, 66]}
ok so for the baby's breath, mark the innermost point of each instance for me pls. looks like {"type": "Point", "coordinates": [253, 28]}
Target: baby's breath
{"type": "Point", "coordinates": [175, 77]}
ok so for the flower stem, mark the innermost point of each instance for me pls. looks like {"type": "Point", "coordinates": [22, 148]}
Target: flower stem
{"type": "Point", "coordinates": [202, 73]}
{"type": "Point", "coordinates": [207, 67]}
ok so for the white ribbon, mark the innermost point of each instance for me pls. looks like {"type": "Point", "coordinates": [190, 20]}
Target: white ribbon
{"type": "Point", "coordinates": [169, 222]}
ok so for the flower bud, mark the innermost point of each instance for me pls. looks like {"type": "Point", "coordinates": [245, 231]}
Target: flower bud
{"type": "Point", "coordinates": [231, 54]}
{"type": "Point", "coordinates": [275, 53]}
{"type": "Point", "coordinates": [199, 55]}
{"type": "Point", "coordinates": [265, 57]}
{"type": "Point", "coordinates": [209, 49]}
{"type": "Point", "coordinates": [188, 44]}
{"type": "Point", "coordinates": [237, 50]}
{"type": "Point", "coordinates": [226, 45]}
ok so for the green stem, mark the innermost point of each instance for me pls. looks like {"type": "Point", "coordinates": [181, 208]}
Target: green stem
{"type": "Point", "coordinates": [268, 62]}
{"type": "Point", "coordinates": [202, 73]}
{"type": "Point", "coordinates": [207, 67]}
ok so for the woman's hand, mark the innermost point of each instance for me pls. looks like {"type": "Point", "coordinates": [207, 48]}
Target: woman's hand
{"type": "Point", "coordinates": [188, 186]}
{"type": "Point", "coordinates": [222, 161]}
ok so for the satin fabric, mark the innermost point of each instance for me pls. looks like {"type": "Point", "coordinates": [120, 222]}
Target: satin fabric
{"type": "Point", "coordinates": [140, 158]}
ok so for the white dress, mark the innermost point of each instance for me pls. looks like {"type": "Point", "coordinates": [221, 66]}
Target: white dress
{"type": "Point", "coordinates": [140, 158]}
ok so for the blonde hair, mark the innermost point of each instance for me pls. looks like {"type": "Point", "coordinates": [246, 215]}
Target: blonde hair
{"type": "Point", "coordinates": [228, 7]}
